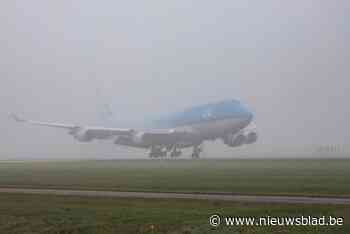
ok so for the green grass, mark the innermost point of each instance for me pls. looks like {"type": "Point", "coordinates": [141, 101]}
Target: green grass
{"type": "Point", "coordinates": [292, 177]}
{"type": "Point", "coordinates": [67, 215]}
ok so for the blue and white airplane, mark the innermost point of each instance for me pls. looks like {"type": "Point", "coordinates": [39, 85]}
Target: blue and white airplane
{"type": "Point", "coordinates": [228, 120]}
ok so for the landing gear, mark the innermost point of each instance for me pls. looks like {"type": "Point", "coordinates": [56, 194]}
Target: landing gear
{"type": "Point", "coordinates": [175, 152]}
{"type": "Point", "coordinates": [162, 152]}
{"type": "Point", "coordinates": [157, 152]}
{"type": "Point", "coordinates": [196, 151]}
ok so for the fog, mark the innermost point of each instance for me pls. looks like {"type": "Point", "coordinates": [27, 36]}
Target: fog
{"type": "Point", "coordinates": [289, 62]}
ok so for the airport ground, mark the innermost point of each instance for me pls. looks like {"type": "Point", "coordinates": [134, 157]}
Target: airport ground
{"type": "Point", "coordinates": [311, 177]}
{"type": "Point", "coordinates": [28, 213]}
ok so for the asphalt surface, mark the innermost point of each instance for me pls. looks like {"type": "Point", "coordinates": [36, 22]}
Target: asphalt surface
{"type": "Point", "coordinates": [218, 197]}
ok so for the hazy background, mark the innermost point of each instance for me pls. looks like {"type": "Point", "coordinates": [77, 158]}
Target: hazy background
{"type": "Point", "coordinates": [289, 61]}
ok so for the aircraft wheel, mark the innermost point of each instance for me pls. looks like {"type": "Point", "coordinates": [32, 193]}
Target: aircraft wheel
{"type": "Point", "coordinates": [196, 152]}
{"type": "Point", "coordinates": [195, 156]}
{"type": "Point", "coordinates": [175, 154]}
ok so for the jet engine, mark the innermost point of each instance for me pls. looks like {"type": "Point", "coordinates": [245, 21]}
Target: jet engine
{"type": "Point", "coordinates": [251, 137]}
{"type": "Point", "coordinates": [234, 140]}
{"type": "Point", "coordinates": [135, 140]}
{"type": "Point", "coordinates": [241, 138]}
{"type": "Point", "coordinates": [81, 135]}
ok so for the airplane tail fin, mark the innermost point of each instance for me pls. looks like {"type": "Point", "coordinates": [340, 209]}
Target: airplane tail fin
{"type": "Point", "coordinates": [104, 109]}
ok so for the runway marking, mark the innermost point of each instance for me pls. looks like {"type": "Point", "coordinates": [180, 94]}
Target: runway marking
{"type": "Point", "coordinates": [199, 196]}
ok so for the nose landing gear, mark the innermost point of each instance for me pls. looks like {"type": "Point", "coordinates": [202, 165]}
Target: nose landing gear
{"type": "Point", "coordinates": [196, 151]}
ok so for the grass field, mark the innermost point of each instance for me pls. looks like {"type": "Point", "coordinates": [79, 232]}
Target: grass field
{"type": "Point", "coordinates": [292, 177]}
{"type": "Point", "coordinates": [68, 215]}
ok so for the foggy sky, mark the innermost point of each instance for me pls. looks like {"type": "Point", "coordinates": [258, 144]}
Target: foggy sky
{"type": "Point", "coordinates": [288, 61]}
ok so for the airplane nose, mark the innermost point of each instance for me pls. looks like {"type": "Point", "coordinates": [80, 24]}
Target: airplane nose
{"type": "Point", "coordinates": [245, 114]}
{"type": "Point", "coordinates": [248, 116]}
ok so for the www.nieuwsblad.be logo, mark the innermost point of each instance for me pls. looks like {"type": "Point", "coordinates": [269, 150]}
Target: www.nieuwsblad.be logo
{"type": "Point", "coordinates": [216, 220]}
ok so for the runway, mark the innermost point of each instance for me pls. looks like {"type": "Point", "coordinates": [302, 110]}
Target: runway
{"type": "Point", "coordinates": [199, 196]}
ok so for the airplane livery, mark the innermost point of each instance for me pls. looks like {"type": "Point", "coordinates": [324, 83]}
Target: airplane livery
{"type": "Point", "coordinates": [228, 120]}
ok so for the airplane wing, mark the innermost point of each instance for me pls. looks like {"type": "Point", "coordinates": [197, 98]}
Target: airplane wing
{"type": "Point", "coordinates": [55, 125]}
{"type": "Point", "coordinates": [143, 138]}
{"type": "Point", "coordinates": [82, 133]}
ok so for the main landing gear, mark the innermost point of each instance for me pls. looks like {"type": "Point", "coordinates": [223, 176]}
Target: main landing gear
{"type": "Point", "coordinates": [175, 152]}
{"type": "Point", "coordinates": [162, 152]}
{"type": "Point", "coordinates": [157, 152]}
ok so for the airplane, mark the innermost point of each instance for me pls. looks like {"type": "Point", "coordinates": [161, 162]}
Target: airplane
{"type": "Point", "coordinates": [228, 120]}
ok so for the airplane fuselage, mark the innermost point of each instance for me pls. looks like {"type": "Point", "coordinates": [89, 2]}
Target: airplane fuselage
{"type": "Point", "coordinates": [195, 125]}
